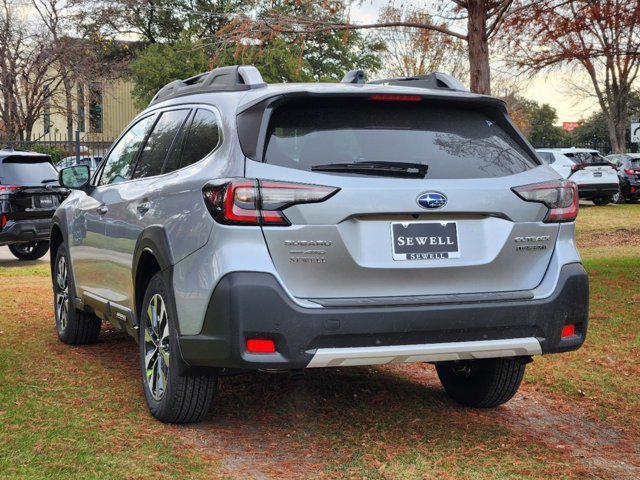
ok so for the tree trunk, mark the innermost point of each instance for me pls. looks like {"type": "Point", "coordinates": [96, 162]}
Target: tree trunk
{"type": "Point", "coordinates": [479, 72]}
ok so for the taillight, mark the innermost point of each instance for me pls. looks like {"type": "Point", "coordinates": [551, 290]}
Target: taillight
{"type": "Point", "coordinates": [259, 202]}
{"type": "Point", "coordinates": [560, 196]}
{"type": "Point", "coordinates": [578, 166]}
{"type": "Point", "coordinates": [3, 221]}
{"type": "Point", "coordinates": [630, 171]}
{"type": "Point", "coordinates": [9, 188]}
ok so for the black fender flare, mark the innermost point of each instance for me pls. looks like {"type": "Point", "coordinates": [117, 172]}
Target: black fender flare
{"type": "Point", "coordinates": [153, 240]}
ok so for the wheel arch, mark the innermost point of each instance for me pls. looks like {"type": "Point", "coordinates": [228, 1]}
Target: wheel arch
{"type": "Point", "coordinates": [151, 255]}
{"type": "Point", "coordinates": [56, 238]}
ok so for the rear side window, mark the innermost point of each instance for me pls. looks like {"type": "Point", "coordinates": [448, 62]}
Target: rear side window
{"type": "Point", "coordinates": [453, 142]}
{"type": "Point", "coordinates": [160, 140]}
{"type": "Point", "coordinates": [27, 171]}
{"type": "Point", "coordinates": [202, 137]}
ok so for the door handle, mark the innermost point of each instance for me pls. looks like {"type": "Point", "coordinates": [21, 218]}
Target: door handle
{"type": "Point", "coordinates": [144, 207]}
{"type": "Point", "coordinates": [102, 209]}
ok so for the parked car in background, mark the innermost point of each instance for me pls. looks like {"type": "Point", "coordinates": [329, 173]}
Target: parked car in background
{"type": "Point", "coordinates": [90, 161]}
{"type": "Point", "coordinates": [240, 226]}
{"type": "Point", "coordinates": [597, 178]}
{"type": "Point", "coordinates": [628, 166]}
{"type": "Point", "coordinates": [29, 194]}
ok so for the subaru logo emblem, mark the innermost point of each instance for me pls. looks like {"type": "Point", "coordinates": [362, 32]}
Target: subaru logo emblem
{"type": "Point", "coordinates": [432, 200]}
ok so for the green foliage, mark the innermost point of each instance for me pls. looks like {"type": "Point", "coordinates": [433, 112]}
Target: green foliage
{"type": "Point", "coordinates": [159, 64]}
{"type": "Point", "coordinates": [543, 130]}
{"type": "Point", "coordinates": [325, 56]}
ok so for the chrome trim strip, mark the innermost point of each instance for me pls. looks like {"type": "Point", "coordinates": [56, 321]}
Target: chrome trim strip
{"type": "Point", "coordinates": [424, 299]}
{"type": "Point", "coordinates": [432, 352]}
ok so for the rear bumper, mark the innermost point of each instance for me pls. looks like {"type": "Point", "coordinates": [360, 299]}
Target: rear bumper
{"type": "Point", "coordinates": [598, 189]}
{"type": "Point", "coordinates": [25, 231]}
{"type": "Point", "coordinates": [254, 305]}
{"type": "Point", "coordinates": [630, 187]}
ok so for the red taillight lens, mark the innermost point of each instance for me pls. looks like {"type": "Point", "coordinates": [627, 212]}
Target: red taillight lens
{"type": "Point", "coordinates": [387, 97]}
{"type": "Point", "coordinates": [259, 202]}
{"type": "Point", "coordinates": [568, 330]}
{"type": "Point", "coordinates": [631, 171]}
{"type": "Point", "coordinates": [258, 345]}
{"type": "Point", "coordinates": [9, 188]}
{"type": "Point", "coordinates": [560, 196]}
{"type": "Point", "coordinates": [3, 221]}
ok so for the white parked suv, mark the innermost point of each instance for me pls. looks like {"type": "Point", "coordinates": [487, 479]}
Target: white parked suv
{"type": "Point", "coordinates": [596, 177]}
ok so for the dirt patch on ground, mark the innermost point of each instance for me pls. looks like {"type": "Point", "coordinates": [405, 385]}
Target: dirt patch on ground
{"type": "Point", "coordinates": [619, 237]}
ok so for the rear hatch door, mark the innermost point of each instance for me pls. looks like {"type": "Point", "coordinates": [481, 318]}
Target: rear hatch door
{"type": "Point", "coordinates": [459, 230]}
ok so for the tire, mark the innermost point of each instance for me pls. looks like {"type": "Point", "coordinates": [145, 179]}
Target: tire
{"type": "Point", "coordinates": [600, 201]}
{"type": "Point", "coordinates": [481, 383]}
{"type": "Point", "coordinates": [29, 251]}
{"type": "Point", "coordinates": [74, 326]}
{"type": "Point", "coordinates": [172, 397]}
{"type": "Point", "coordinates": [618, 198]}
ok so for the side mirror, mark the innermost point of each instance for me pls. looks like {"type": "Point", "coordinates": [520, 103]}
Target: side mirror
{"type": "Point", "coordinates": [76, 177]}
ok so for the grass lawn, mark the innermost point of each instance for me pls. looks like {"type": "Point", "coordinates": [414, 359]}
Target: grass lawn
{"type": "Point", "coordinates": [78, 412]}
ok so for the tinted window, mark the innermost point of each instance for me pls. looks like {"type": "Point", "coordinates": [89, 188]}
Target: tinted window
{"type": "Point", "coordinates": [26, 171]}
{"type": "Point", "coordinates": [159, 143]}
{"type": "Point", "coordinates": [201, 139]}
{"type": "Point", "coordinates": [119, 162]}
{"type": "Point", "coordinates": [586, 157]}
{"type": "Point", "coordinates": [547, 157]}
{"type": "Point", "coordinates": [454, 143]}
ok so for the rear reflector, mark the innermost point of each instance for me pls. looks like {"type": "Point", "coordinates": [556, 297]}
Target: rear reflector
{"type": "Point", "coordinates": [560, 196]}
{"type": "Point", "coordinates": [387, 97]}
{"type": "Point", "coordinates": [259, 345]}
{"type": "Point", "coordinates": [568, 330]}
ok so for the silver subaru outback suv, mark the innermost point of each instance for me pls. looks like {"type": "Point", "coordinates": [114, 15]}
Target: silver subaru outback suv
{"type": "Point", "coordinates": [238, 226]}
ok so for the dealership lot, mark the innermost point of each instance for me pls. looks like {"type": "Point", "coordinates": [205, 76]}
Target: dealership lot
{"type": "Point", "coordinates": [66, 411]}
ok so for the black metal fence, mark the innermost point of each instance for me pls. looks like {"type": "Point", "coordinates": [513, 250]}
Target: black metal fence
{"type": "Point", "coordinates": [60, 146]}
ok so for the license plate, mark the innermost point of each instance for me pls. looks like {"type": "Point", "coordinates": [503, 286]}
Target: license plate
{"type": "Point", "coordinates": [425, 240]}
{"type": "Point", "coordinates": [597, 174]}
{"type": "Point", "coordinates": [43, 201]}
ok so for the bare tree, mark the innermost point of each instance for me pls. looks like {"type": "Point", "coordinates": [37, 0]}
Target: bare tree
{"type": "Point", "coordinates": [601, 38]}
{"type": "Point", "coordinates": [27, 76]}
{"type": "Point", "coordinates": [482, 20]}
{"type": "Point", "coordinates": [412, 52]}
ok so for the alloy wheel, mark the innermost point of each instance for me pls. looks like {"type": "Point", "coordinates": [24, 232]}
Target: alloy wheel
{"type": "Point", "coordinates": [156, 347]}
{"type": "Point", "coordinates": [62, 293]}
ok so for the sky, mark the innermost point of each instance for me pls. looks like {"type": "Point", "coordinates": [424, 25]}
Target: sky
{"type": "Point", "coordinates": [551, 88]}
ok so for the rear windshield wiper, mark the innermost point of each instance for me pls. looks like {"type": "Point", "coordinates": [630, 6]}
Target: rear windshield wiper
{"type": "Point", "coordinates": [387, 169]}
{"type": "Point", "coordinates": [49, 180]}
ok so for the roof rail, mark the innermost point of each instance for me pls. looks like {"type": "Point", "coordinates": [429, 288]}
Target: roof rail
{"type": "Point", "coordinates": [223, 79]}
{"type": "Point", "coordinates": [432, 80]}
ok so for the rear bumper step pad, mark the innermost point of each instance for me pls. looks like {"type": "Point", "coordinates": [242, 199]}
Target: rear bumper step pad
{"type": "Point", "coordinates": [437, 352]}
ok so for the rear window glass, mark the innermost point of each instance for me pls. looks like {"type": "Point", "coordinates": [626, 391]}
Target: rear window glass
{"type": "Point", "coordinates": [27, 171]}
{"type": "Point", "coordinates": [453, 142]}
{"type": "Point", "coordinates": [586, 157]}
